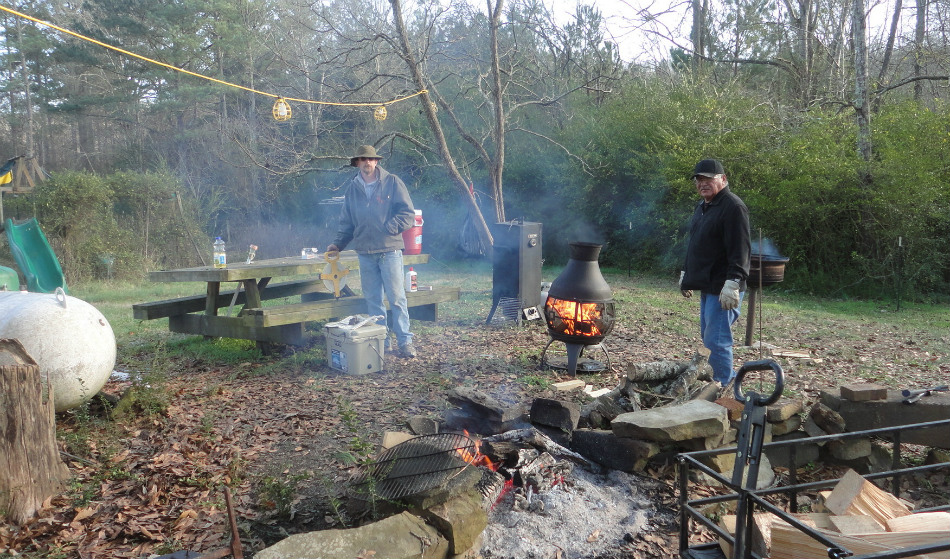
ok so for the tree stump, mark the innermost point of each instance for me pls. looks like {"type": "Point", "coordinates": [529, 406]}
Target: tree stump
{"type": "Point", "coordinates": [30, 467]}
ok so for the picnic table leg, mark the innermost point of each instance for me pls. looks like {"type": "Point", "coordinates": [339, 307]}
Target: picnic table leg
{"type": "Point", "coordinates": [211, 306]}
{"type": "Point", "coordinates": [252, 294]}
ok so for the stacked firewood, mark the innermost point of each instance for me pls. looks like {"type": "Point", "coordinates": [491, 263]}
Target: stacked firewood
{"type": "Point", "coordinates": [857, 515]}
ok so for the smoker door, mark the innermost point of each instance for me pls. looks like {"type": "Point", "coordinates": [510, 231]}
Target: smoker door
{"type": "Point", "coordinates": [516, 264]}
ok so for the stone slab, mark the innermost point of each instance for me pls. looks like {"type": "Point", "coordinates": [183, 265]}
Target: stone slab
{"type": "Point", "coordinates": [863, 392]}
{"type": "Point", "coordinates": [403, 536]}
{"type": "Point", "coordinates": [785, 427]}
{"type": "Point", "coordinates": [693, 420]}
{"type": "Point", "coordinates": [892, 412]}
{"type": "Point", "coordinates": [805, 452]}
{"type": "Point", "coordinates": [555, 413]}
{"type": "Point", "coordinates": [783, 409]}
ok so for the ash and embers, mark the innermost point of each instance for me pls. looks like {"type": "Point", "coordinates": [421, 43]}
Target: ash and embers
{"type": "Point", "coordinates": [586, 516]}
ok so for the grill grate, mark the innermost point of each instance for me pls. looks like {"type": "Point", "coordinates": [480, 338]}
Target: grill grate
{"type": "Point", "coordinates": [413, 466]}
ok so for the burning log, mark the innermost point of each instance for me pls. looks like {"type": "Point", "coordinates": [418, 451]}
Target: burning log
{"type": "Point", "coordinates": [543, 473]}
{"type": "Point", "coordinates": [491, 487]}
{"type": "Point", "coordinates": [538, 440]}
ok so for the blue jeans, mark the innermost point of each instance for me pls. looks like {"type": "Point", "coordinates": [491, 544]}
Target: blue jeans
{"type": "Point", "coordinates": [715, 326]}
{"type": "Point", "coordinates": [383, 273]}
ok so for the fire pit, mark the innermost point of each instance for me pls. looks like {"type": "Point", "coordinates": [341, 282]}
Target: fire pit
{"type": "Point", "coordinates": [766, 269]}
{"type": "Point", "coordinates": [580, 308]}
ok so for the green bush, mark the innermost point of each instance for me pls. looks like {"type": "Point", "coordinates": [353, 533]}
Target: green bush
{"type": "Point", "coordinates": [117, 225]}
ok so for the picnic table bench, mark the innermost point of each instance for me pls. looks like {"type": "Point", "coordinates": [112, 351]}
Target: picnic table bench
{"type": "Point", "coordinates": [279, 323]}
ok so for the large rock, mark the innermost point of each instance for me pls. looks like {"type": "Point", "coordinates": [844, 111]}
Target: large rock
{"type": "Point", "coordinates": [555, 413]}
{"type": "Point", "coordinates": [693, 420]}
{"type": "Point", "coordinates": [403, 536]}
{"type": "Point", "coordinates": [805, 451]}
{"type": "Point", "coordinates": [461, 519]}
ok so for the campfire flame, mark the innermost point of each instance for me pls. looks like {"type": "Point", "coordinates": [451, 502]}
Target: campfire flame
{"type": "Point", "coordinates": [477, 459]}
{"type": "Point", "coordinates": [577, 319]}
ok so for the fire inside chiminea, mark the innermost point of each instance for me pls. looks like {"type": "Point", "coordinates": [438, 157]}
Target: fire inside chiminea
{"type": "Point", "coordinates": [580, 308]}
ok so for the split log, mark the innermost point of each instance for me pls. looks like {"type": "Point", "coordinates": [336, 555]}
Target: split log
{"type": "Point", "coordinates": [30, 466]}
{"type": "Point", "coordinates": [855, 495]}
{"type": "Point", "coordinates": [920, 522]}
{"type": "Point", "coordinates": [856, 524]}
{"type": "Point", "coordinates": [790, 543]}
{"type": "Point", "coordinates": [663, 370]}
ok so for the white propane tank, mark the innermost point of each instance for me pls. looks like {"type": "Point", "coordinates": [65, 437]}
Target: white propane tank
{"type": "Point", "coordinates": [70, 340]}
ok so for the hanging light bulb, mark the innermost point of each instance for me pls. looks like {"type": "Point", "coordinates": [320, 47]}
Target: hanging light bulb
{"type": "Point", "coordinates": [281, 110]}
{"type": "Point", "coordinates": [380, 113]}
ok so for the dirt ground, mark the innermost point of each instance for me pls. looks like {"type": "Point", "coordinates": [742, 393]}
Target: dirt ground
{"type": "Point", "coordinates": [285, 441]}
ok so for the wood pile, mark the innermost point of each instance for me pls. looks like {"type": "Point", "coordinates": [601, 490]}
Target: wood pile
{"type": "Point", "coordinates": [858, 515]}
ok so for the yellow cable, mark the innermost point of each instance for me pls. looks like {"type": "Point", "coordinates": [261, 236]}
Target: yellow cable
{"type": "Point", "coordinates": [190, 73]}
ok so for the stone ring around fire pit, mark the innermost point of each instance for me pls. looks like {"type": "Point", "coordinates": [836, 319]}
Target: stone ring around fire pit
{"type": "Point", "coordinates": [414, 466]}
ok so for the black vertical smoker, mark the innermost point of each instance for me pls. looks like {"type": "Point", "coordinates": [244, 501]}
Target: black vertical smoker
{"type": "Point", "coordinates": [516, 269]}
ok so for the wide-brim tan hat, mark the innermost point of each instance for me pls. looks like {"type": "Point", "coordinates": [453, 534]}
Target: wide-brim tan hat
{"type": "Point", "coordinates": [364, 151]}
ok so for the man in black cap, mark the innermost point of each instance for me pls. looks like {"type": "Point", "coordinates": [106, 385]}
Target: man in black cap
{"type": "Point", "coordinates": [376, 210]}
{"type": "Point", "coordinates": [717, 263]}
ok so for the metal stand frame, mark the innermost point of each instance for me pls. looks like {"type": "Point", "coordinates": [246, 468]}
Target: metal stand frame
{"type": "Point", "coordinates": [574, 352]}
{"type": "Point", "coordinates": [748, 498]}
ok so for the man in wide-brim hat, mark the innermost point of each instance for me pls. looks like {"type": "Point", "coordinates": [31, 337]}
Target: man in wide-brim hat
{"type": "Point", "coordinates": [376, 210]}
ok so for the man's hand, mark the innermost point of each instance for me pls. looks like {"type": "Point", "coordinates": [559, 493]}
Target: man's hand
{"type": "Point", "coordinates": [729, 296]}
{"type": "Point", "coordinates": [686, 292]}
{"type": "Point", "coordinates": [333, 249]}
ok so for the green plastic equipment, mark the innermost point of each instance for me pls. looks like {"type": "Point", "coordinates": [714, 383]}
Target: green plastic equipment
{"type": "Point", "coordinates": [9, 281]}
{"type": "Point", "coordinates": [34, 257]}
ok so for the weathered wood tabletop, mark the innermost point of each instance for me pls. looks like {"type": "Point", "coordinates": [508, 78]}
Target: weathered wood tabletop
{"type": "Point", "coordinates": [254, 277]}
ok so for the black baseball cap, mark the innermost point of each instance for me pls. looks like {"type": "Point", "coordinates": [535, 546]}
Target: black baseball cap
{"type": "Point", "coordinates": [708, 168]}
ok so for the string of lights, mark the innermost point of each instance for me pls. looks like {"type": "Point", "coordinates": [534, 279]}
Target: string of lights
{"type": "Point", "coordinates": [281, 110]}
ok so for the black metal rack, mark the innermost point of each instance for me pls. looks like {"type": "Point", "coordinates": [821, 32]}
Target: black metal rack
{"type": "Point", "coordinates": [756, 499]}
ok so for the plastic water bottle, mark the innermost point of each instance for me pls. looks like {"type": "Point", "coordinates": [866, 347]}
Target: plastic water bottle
{"type": "Point", "coordinates": [218, 257]}
{"type": "Point", "coordinates": [411, 284]}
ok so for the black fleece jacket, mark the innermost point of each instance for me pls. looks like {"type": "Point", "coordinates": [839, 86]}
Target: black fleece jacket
{"type": "Point", "coordinates": [719, 246]}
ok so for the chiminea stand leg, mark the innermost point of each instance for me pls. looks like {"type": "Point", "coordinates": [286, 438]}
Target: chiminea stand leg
{"type": "Point", "coordinates": [573, 352]}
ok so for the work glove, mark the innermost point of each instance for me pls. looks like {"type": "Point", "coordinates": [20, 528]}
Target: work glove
{"type": "Point", "coordinates": [333, 249]}
{"type": "Point", "coordinates": [686, 292]}
{"type": "Point", "coordinates": [729, 296]}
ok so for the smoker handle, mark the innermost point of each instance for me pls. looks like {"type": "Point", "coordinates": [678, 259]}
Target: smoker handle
{"type": "Point", "coordinates": [758, 399]}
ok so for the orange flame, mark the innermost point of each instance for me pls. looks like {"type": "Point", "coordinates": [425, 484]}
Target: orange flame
{"type": "Point", "coordinates": [579, 319]}
{"type": "Point", "coordinates": [477, 459]}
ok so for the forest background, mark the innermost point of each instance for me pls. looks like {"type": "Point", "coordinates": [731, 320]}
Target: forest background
{"type": "Point", "coordinates": [836, 136]}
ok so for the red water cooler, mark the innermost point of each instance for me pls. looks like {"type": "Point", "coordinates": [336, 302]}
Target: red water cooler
{"type": "Point", "coordinates": [412, 237]}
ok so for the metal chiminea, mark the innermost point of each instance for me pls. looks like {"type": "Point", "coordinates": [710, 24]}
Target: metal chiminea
{"type": "Point", "coordinates": [580, 308]}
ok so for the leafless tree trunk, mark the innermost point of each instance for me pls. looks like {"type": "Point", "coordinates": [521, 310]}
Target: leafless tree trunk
{"type": "Point", "coordinates": [428, 107]}
{"type": "Point", "coordinates": [861, 95]}
{"type": "Point", "coordinates": [497, 164]}
{"type": "Point", "coordinates": [895, 20]}
{"type": "Point", "coordinates": [919, 29]}
{"type": "Point", "coordinates": [26, 90]}
{"type": "Point", "coordinates": [698, 34]}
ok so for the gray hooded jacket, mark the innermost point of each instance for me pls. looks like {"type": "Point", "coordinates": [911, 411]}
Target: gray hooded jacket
{"type": "Point", "coordinates": [375, 224]}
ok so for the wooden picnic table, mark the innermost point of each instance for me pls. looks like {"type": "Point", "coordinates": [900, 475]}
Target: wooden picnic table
{"type": "Point", "coordinates": [199, 314]}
